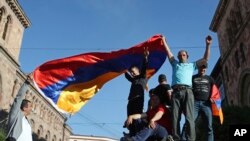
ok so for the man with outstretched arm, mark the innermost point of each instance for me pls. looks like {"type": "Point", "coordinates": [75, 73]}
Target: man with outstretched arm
{"type": "Point", "coordinates": [19, 128]}
{"type": "Point", "coordinates": [182, 97]}
{"type": "Point", "coordinates": [138, 80]}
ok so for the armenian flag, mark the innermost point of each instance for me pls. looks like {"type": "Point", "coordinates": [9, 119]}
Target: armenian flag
{"type": "Point", "coordinates": [69, 83]}
{"type": "Point", "coordinates": [216, 106]}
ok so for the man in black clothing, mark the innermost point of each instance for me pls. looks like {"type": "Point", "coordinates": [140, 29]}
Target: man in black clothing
{"type": "Point", "coordinates": [163, 90]}
{"type": "Point", "coordinates": [138, 80]}
{"type": "Point", "coordinates": [202, 85]}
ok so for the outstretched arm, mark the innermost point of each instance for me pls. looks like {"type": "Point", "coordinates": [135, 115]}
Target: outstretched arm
{"type": "Point", "coordinates": [145, 63]}
{"type": "Point", "coordinates": [207, 51]}
{"type": "Point", "coordinates": [15, 108]}
{"type": "Point", "coordinates": [135, 116]}
{"type": "Point", "coordinates": [128, 76]}
{"type": "Point", "coordinates": [169, 53]}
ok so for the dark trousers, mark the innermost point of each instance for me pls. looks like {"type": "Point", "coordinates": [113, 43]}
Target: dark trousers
{"type": "Point", "coordinates": [135, 106]}
{"type": "Point", "coordinates": [159, 132]}
{"type": "Point", "coordinates": [183, 101]}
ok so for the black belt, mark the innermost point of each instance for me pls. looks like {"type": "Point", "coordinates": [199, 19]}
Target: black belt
{"type": "Point", "coordinates": [180, 87]}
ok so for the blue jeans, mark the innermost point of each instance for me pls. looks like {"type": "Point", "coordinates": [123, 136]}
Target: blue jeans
{"type": "Point", "coordinates": [145, 133]}
{"type": "Point", "coordinates": [205, 107]}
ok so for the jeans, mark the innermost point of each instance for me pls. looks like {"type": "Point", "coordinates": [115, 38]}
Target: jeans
{"type": "Point", "coordinates": [136, 126]}
{"type": "Point", "coordinates": [159, 132]}
{"type": "Point", "coordinates": [183, 101]}
{"type": "Point", "coordinates": [205, 107]}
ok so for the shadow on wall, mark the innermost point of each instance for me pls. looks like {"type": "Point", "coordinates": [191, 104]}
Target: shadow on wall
{"type": "Point", "coordinates": [36, 138]}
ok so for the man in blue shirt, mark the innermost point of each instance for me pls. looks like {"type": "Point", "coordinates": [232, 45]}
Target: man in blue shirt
{"type": "Point", "coordinates": [183, 98]}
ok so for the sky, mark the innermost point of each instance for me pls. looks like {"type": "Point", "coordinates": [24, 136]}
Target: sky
{"type": "Point", "coordinates": [62, 28]}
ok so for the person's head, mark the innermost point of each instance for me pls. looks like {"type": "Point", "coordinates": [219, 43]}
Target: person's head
{"type": "Point", "coordinates": [154, 101]}
{"type": "Point", "coordinates": [182, 56]}
{"type": "Point", "coordinates": [26, 107]}
{"type": "Point", "coordinates": [202, 69]}
{"type": "Point", "coordinates": [162, 78]}
{"type": "Point", "coordinates": [134, 71]}
{"type": "Point", "coordinates": [151, 92]}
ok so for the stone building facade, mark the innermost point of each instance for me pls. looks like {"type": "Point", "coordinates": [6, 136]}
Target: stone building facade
{"type": "Point", "coordinates": [47, 123]}
{"type": "Point", "coordinates": [231, 22]}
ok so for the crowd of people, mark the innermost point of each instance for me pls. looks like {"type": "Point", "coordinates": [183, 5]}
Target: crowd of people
{"type": "Point", "coordinates": [189, 95]}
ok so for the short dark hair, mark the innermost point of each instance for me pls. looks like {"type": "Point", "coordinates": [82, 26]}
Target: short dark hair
{"type": "Point", "coordinates": [24, 103]}
{"type": "Point", "coordinates": [161, 78]}
{"type": "Point", "coordinates": [183, 51]}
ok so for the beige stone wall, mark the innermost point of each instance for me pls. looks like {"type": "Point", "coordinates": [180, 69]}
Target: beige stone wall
{"type": "Point", "coordinates": [8, 76]}
{"type": "Point", "coordinates": [46, 121]}
{"type": "Point", "coordinates": [15, 30]}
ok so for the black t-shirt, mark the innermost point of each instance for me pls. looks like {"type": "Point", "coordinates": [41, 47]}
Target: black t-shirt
{"type": "Point", "coordinates": [162, 90]}
{"type": "Point", "coordinates": [202, 87]}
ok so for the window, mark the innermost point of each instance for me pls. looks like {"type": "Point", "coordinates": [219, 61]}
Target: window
{"type": "Point", "coordinates": [54, 138]}
{"type": "Point", "coordinates": [6, 26]}
{"type": "Point", "coordinates": [236, 57]}
{"type": "Point", "coordinates": [47, 137]}
{"type": "Point", "coordinates": [32, 123]}
{"type": "Point", "coordinates": [242, 52]}
{"type": "Point", "coordinates": [238, 14]}
{"type": "Point", "coordinates": [1, 14]}
{"type": "Point", "coordinates": [229, 35]}
{"type": "Point", "coordinates": [40, 133]}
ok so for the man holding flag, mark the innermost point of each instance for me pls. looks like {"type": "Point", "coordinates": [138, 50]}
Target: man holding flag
{"type": "Point", "coordinates": [138, 80]}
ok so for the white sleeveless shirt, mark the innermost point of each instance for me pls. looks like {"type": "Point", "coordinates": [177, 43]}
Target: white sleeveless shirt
{"type": "Point", "coordinates": [26, 134]}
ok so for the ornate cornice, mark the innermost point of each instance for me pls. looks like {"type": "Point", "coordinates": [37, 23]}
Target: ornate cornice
{"type": "Point", "coordinates": [17, 9]}
{"type": "Point", "coordinates": [219, 13]}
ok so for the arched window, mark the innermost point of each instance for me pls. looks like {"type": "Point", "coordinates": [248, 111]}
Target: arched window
{"type": "Point", "coordinates": [54, 138]}
{"type": "Point", "coordinates": [32, 123]}
{"type": "Point", "coordinates": [238, 13]}
{"type": "Point", "coordinates": [236, 57]}
{"type": "Point", "coordinates": [15, 88]}
{"type": "Point", "coordinates": [6, 27]}
{"type": "Point", "coordinates": [40, 129]}
{"type": "Point", "coordinates": [242, 52]}
{"type": "Point", "coordinates": [1, 13]}
{"type": "Point", "coordinates": [47, 137]}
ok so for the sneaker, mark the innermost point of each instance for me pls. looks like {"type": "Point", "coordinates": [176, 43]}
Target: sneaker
{"type": "Point", "coordinates": [170, 138]}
